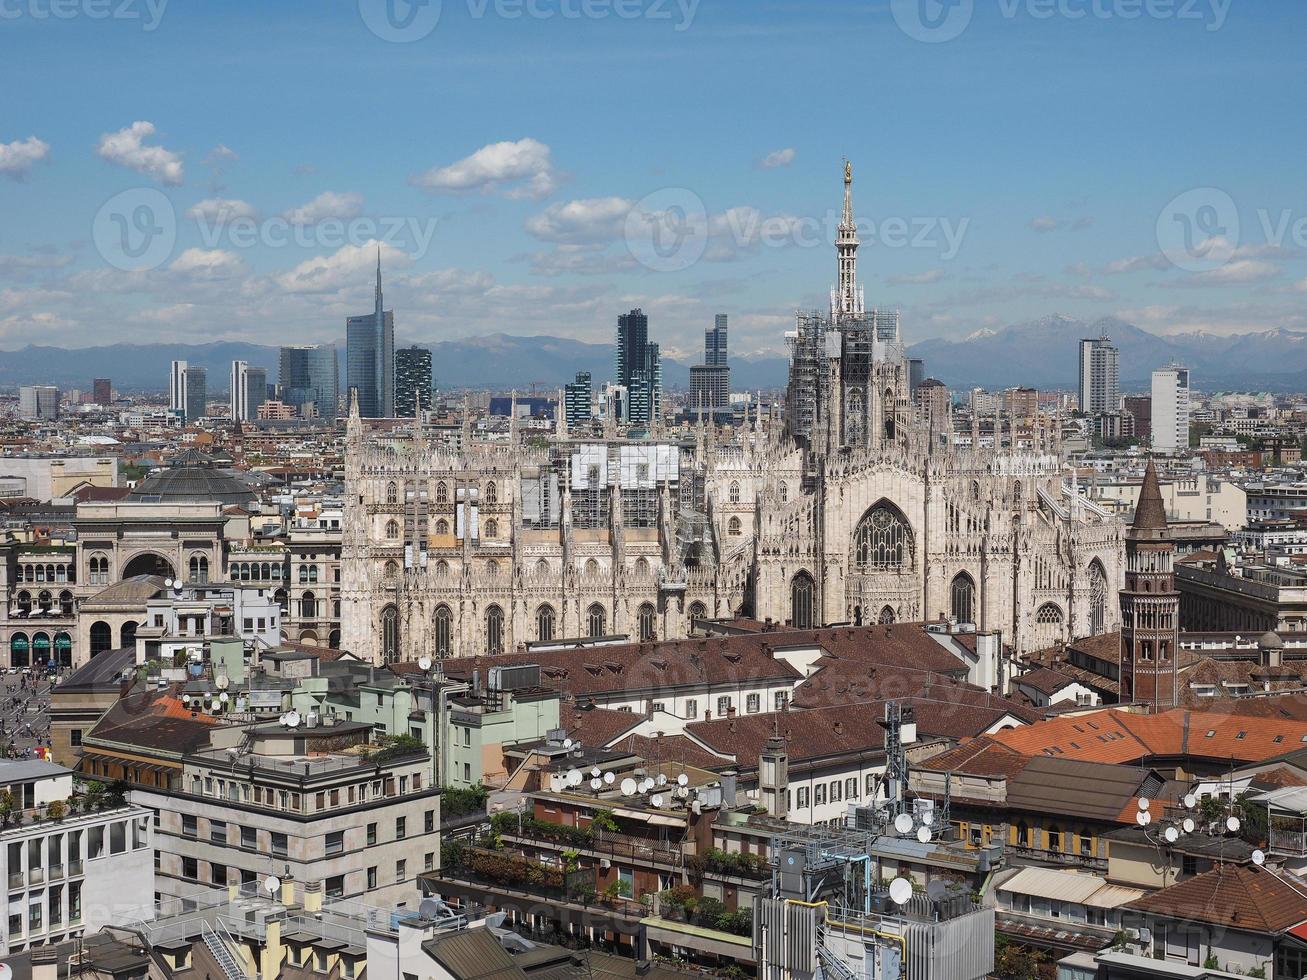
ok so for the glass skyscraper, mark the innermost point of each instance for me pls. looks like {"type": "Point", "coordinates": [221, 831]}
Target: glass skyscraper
{"type": "Point", "coordinates": [370, 357]}
{"type": "Point", "coordinates": [639, 368]}
{"type": "Point", "coordinates": [309, 379]}
{"type": "Point", "coordinates": [412, 382]}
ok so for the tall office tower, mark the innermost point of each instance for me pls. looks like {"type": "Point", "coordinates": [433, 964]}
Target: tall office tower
{"type": "Point", "coordinates": [639, 368]}
{"type": "Point", "coordinates": [177, 388]}
{"type": "Point", "coordinates": [710, 382]}
{"type": "Point", "coordinates": [102, 391]}
{"type": "Point", "coordinates": [309, 379]}
{"type": "Point", "coordinates": [38, 402]}
{"type": "Point", "coordinates": [577, 399]}
{"type": "Point", "coordinates": [1139, 408]}
{"type": "Point", "coordinates": [197, 392]}
{"type": "Point", "coordinates": [370, 357]}
{"type": "Point", "coordinates": [412, 382]}
{"type": "Point", "coordinates": [1100, 376]}
{"type": "Point", "coordinates": [241, 409]}
{"type": "Point", "coordinates": [1170, 409]}
{"type": "Point", "coordinates": [1150, 605]}
{"type": "Point", "coordinates": [916, 374]}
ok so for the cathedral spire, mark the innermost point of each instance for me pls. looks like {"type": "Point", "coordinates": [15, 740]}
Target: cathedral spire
{"type": "Point", "coordinates": [846, 299]}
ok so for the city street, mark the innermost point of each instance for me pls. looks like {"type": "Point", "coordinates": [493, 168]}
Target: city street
{"type": "Point", "coordinates": [24, 714]}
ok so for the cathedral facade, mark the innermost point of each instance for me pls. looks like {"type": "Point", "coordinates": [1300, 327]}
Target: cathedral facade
{"type": "Point", "coordinates": [847, 506]}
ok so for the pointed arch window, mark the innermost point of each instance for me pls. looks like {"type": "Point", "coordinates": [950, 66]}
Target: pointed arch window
{"type": "Point", "coordinates": [962, 598]}
{"type": "Point", "coordinates": [389, 635]}
{"type": "Point", "coordinates": [882, 541]}
{"type": "Point", "coordinates": [444, 631]}
{"type": "Point", "coordinates": [596, 621]}
{"type": "Point", "coordinates": [803, 601]}
{"type": "Point", "coordinates": [545, 624]}
{"type": "Point", "coordinates": [1097, 598]}
{"type": "Point", "coordinates": [494, 631]}
{"type": "Point", "coordinates": [648, 623]}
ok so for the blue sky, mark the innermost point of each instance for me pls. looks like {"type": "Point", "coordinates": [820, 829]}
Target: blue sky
{"type": "Point", "coordinates": [1086, 157]}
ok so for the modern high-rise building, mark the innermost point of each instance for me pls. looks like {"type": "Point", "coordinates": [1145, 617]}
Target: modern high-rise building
{"type": "Point", "coordinates": [639, 368]}
{"type": "Point", "coordinates": [577, 400]}
{"type": "Point", "coordinates": [177, 388]}
{"type": "Point", "coordinates": [309, 380]}
{"type": "Point", "coordinates": [710, 382]}
{"type": "Point", "coordinates": [249, 390]}
{"type": "Point", "coordinates": [370, 357]}
{"type": "Point", "coordinates": [197, 392]}
{"type": "Point", "coordinates": [916, 374]}
{"type": "Point", "coordinates": [102, 391]}
{"type": "Point", "coordinates": [1170, 409]}
{"type": "Point", "coordinates": [1100, 376]}
{"type": "Point", "coordinates": [38, 402]}
{"type": "Point", "coordinates": [1140, 409]}
{"type": "Point", "coordinates": [412, 382]}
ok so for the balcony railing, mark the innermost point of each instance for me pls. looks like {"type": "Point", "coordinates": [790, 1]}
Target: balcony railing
{"type": "Point", "coordinates": [16, 880]}
{"type": "Point", "coordinates": [35, 876]}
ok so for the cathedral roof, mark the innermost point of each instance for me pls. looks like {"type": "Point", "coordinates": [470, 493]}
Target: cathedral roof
{"type": "Point", "coordinates": [1150, 512]}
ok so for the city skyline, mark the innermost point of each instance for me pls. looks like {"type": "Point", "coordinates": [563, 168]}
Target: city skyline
{"type": "Point", "coordinates": [528, 212]}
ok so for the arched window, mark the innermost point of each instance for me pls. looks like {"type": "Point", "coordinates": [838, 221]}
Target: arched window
{"type": "Point", "coordinates": [698, 610]}
{"type": "Point", "coordinates": [283, 600]}
{"type": "Point", "coordinates": [542, 567]}
{"type": "Point", "coordinates": [1048, 625]}
{"type": "Point", "coordinates": [492, 569]}
{"type": "Point", "coordinates": [1097, 598]}
{"type": "Point", "coordinates": [733, 492]}
{"type": "Point", "coordinates": [784, 491]}
{"type": "Point", "coordinates": [313, 574]}
{"type": "Point", "coordinates": [442, 494]}
{"type": "Point", "coordinates": [962, 598]}
{"type": "Point", "coordinates": [20, 650]}
{"type": "Point", "coordinates": [545, 623]}
{"type": "Point", "coordinates": [595, 621]}
{"type": "Point", "coordinates": [44, 601]}
{"type": "Point", "coordinates": [308, 606]}
{"type": "Point", "coordinates": [494, 631]}
{"type": "Point", "coordinates": [882, 541]}
{"type": "Point", "coordinates": [389, 635]}
{"type": "Point", "coordinates": [648, 616]}
{"type": "Point", "coordinates": [803, 601]}
{"type": "Point", "coordinates": [333, 639]}
{"type": "Point", "coordinates": [392, 529]}
{"type": "Point", "coordinates": [442, 526]}
{"type": "Point", "coordinates": [63, 649]}
{"type": "Point", "coordinates": [444, 631]}
{"type": "Point", "coordinates": [101, 637]}
{"type": "Point", "coordinates": [199, 569]}
{"type": "Point", "coordinates": [65, 603]}
{"type": "Point", "coordinates": [975, 490]}
{"type": "Point", "coordinates": [99, 570]}
{"type": "Point", "coordinates": [392, 493]}
{"type": "Point", "coordinates": [733, 527]}
{"type": "Point", "coordinates": [392, 569]}
{"type": "Point", "coordinates": [642, 566]}
{"type": "Point", "coordinates": [591, 567]}
{"type": "Point", "coordinates": [492, 528]}
{"type": "Point", "coordinates": [442, 569]}
{"type": "Point", "coordinates": [304, 574]}
{"type": "Point", "coordinates": [128, 634]}
{"type": "Point", "coordinates": [24, 600]}
{"type": "Point", "coordinates": [886, 617]}
{"type": "Point", "coordinates": [41, 648]}
{"type": "Point", "coordinates": [491, 496]}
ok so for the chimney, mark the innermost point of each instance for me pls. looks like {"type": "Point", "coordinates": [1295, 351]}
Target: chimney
{"type": "Point", "coordinates": [839, 728]}
{"type": "Point", "coordinates": [728, 781]}
{"type": "Point", "coordinates": [45, 962]}
{"type": "Point", "coordinates": [313, 897]}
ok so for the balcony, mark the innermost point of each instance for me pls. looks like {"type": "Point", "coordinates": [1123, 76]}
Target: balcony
{"type": "Point", "coordinates": [74, 869]}
{"type": "Point", "coordinates": [35, 876]}
{"type": "Point", "coordinates": [17, 880]}
{"type": "Point", "coordinates": [56, 872]}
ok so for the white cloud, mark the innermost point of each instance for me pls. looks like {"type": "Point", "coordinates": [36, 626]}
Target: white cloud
{"type": "Point", "coordinates": [1241, 272]}
{"type": "Point", "coordinates": [328, 204]}
{"type": "Point", "coordinates": [219, 210]}
{"type": "Point", "coordinates": [778, 158]}
{"type": "Point", "coordinates": [199, 263]}
{"type": "Point", "coordinates": [19, 157]}
{"type": "Point", "coordinates": [127, 149]}
{"type": "Point", "coordinates": [1045, 223]}
{"type": "Point", "coordinates": [918, 278]}
{"type": "Point", "coordinates": [1137, 263]}
{"type": "Point", "coordinates": [581, 260]}
{"type": "Point", "coordinates": [586, 221]}
{"type": "Point", "coordinates": [221, 155]}
{"type": "Point", "coordinates": [22, 263]}
{"type": "Point", "coordinates": [346, 268]}
{"type": "Point", "coordinates": [518, 169]}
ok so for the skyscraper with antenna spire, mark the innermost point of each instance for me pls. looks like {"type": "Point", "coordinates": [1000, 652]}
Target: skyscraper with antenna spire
{"type": "Point", "coordinates": [370, 357]}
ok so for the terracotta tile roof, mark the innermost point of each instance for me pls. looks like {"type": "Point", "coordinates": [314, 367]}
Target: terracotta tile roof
{"type": "Point", "coordinates": [1278, 778]}
{"type": "Point", "coordinates": [676, 748]}
{"type": "Point", "coordinates": [1045, 680]}
{"type": "Point", "coordinates": [596, 727]}
{"type": "Point", "coordinates": [154, 720]}
{"type": "Point", "coordinates": [978, 757]}
{"type": "Point", "coordinates": [1118, 736]}
{"type": "Point", "coordinates": [1234, 896]}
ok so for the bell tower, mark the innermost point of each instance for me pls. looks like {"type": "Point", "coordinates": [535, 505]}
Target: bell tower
{"type": "Point", "coordinates": [1150, 605]}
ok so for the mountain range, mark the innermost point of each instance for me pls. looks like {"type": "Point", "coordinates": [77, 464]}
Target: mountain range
{"type": "Point", "coordinates": [1041, 353]}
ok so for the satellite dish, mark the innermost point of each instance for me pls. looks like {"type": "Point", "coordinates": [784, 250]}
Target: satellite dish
{"type": "Point", "coordinates": [1232, 824]}
{"type": "Point", "coordinates": [662, 779]}
{"type": "Point", "coordinates": [186, 699]}
{"type": "Point", "coordinates": [424, 664]}
{"type": "Point", "coordinates": [936, 890]}
{"type": "Point", "coordinates": [567, 743]}
{"type": "Point", "coordinates": [574, 777]}
{"type": "Point", "coordinates": [216, 705]}
{"type": "Point", "coordinates": [646, 785]}
{"type": "Point", "coordinates": [430, 908]}
{"type": "Point", "coordinates": [224, 697]}
{"type": "Point", "coordinates": [222, 681]}
{"type": "Point", "coordinates": [657, 800]}
{"type": "Point", "coordinates": [696, 807]}
{"type": "Point", "coordinates": [595, 783]}
{"type": "Point", "coordinates": [903, 823]}
{"type": "Point", "coordinates": [1259, 857]}
{"type": "Point", "coordinates": [293, 719]}
{"type": "Point", "coordinates": [923, 834]}
{"type": "Point", "coordinates": [900, 890]}
{"type": "Point", "coordinates": [1188, 825]}
{"type": "Point", "coordinates": [628, 786]}
{"type": "Point", "coordinates": [683, 792]}
{"type": "Point", "coordinates": [1190, 801]}
{"type": "Point", "coordinates": [272, 884]}
{"type": "Point", "coordinates": [6, 971]}
{"type": "Point", "coordinates": [596, 772]}
{"type": "Point", "coordinates": [609, 778]}
{"type": "Point", "coordinates": [1171, 834]}
{"type": "Point", "coordinates": [1142, 818]}
{"type": "Point", "coordinates": [1143, 804]}
{"type": "Point", "coordinates": [682, 780]}
{"type": "Point", "coordinates": [167, 583]}
{"type": "Point", "coordinates": [928, 819]}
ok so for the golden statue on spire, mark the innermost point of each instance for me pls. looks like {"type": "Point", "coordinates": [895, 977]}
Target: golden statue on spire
{"type": "Point", "coordinates": [848, 171]}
